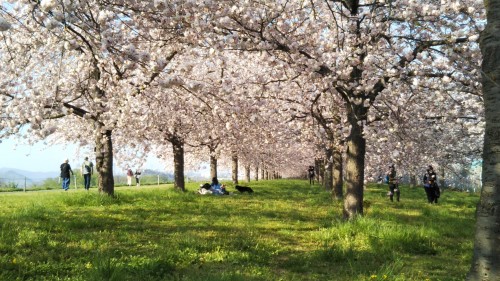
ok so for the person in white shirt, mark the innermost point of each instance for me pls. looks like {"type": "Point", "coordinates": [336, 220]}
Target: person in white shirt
{"type": "Point", "coordinates": [87, 171]}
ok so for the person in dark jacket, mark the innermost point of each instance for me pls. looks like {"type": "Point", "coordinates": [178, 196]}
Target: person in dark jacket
{"type": "Point", "coordinates": [65, 174]}
{"type": "Point", "coordinates": [137, 177]}
{"type": "Point", "coordinates": [311, 174]}
{"type": "Point", "coordinates": [393, 183]}
{"type": "Point", "coordinates": [430, 185]}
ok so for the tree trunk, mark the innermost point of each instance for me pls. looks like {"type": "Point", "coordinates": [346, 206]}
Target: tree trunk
{"type": "Point", "coordinates": [328, 182]}
{"type": "Point", "coordinates": [317, 169]}
{"type": "Point", "coordinates": [263, 172]}
{"type": "Point", "coordinates": [322, 171]}
{"type": "Point", "coordinates": [256, 172]}
{"type": "Point", "coordinates": [247, 173]}
{"type": "Point", "coordinates": [213, 166]}
{"type": "Point", "coordinates": [178, 146]}
{"type": "Point", "coordinates": [441, 178]}
{"type": "Point", "coordinates": [104, 161]}
{"type": "Point", "coordinates": [486, 258]}
{"type": "Point", "coordinates": [234, 159]}
{"type": "Point", "coordinates": [355, 164]}
{"type": "Point", "coordinates": [413, 181]}
{"type": "Point", "coordinates": [338, 181]}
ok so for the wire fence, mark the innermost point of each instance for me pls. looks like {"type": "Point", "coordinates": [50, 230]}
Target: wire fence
{"type": "Point", "coordinates": [30, 183]}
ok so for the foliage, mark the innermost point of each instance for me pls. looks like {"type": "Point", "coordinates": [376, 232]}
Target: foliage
{"type": "Point", "coordinates": [247, 70]}
{"type": "Point", "coordinates": [286, 230]}
{"type": "Point", "coordinates": [8, 186]}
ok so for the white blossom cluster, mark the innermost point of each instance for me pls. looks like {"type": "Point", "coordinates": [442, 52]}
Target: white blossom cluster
{"type": "Point", "coordinates": [279, 83]}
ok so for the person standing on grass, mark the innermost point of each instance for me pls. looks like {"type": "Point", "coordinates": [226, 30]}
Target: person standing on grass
{"type": "Point", "coordinates": [393, 183]}
{"type": "Point", "coordinates": [311, 174]}
{"type": "Point", "coordinates": [130, 174]}
{"type": "Point", "coordinates": [87, 171]}
{"type": "Point", "coordinates": [430, 185]}
{"type": "Point", "coordinates": [138, 177]}
{"type": "Point", "coordinates": [65, 174]}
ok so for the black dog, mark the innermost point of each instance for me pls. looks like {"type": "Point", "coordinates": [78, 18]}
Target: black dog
{"type": "Point", "coordinates": [206, 186]}
{"type": "Point", "coordinates": [243, 189]}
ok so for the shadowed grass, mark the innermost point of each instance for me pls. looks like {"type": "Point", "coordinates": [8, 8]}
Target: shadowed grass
{"type": "Point", "coordinates": [286, 230]}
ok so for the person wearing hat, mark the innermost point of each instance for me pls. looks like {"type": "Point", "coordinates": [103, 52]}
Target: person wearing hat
{"type": "Point", "coordinates": [87, 171]}
{"type": "Point", "coordinates": [393, 183]}
{"type": "Point", "coordinates": [65, 174]}
{"type": "Point", "coordinates": [430, 185]}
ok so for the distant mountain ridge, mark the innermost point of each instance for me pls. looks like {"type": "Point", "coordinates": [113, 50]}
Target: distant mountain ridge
{"type": "Point", "coordinates": [12, 173]}
{"type": "Point", "coordinates": [40, 176]}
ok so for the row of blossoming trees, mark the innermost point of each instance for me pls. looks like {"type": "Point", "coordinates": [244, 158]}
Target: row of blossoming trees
{"type": "Point", "coordinates": [268, 85]}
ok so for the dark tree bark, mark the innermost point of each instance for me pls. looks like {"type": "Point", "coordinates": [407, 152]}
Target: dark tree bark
{"type": "Point", "coordinates": [338, 181]}
{"type": "Point", "coordinates": [413, 181]}
{"type": "Point", "coordinates": [247, 173]}
{"type": "Point", "coordinates": [234, 159]}
{"type": "Point", "coordinates": [104, 161]}
{"type": "Point", "coordinates": [442, 181]}
{"type": "Point", "coordinates": [328, 182]}
{"type": "Point", "coordinates": [486, 259]}
{"type": "Point", "coordinates": [213, 166]}
{"type": "Point", "coordinates": [256, 172]}
{"type": "Point", "coordinates": [355, 164]}
{"type": "Point", "coordinates": [317, 169]}
{"type": "Point", "coordinates": [178, 147]}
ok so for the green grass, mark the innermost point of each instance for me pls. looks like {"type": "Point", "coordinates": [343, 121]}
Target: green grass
{"type": "Point", "coordinates": [286, 230]}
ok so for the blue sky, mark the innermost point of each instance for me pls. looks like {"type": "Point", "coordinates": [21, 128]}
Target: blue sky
{"type": "Point", "coordinates": [42, 158]}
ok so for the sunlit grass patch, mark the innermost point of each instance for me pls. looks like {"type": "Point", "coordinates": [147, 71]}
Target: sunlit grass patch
{"type": "Point", "coordinates": [286, 230]}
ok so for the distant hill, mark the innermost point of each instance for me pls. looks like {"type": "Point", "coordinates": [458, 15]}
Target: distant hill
{"type": "Point", "coordinates": [34, 176]}
{"type": "Point", "coordinates": [20, 177]}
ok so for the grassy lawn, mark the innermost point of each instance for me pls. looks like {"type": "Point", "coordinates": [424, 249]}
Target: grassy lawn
{"type": "Point", "coordinates": [286, 230]}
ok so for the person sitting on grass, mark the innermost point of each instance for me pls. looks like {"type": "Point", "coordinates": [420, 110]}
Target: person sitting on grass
{"type": "Point", "coordinates": [217, 188]}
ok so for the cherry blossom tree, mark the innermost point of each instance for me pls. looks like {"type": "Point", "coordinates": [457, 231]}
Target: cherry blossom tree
{"type": "Point", "coordinates": [219, 75]}
{"type": "Point", "coordinates": [422, 127]}
{"type": "Point", "coordinates": [361, 49]}
{"type": "Point", "coordinates": [81, 58]}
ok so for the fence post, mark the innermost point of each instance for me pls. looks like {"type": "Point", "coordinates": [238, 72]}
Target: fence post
{"type": "Point", "coordinates": [74, 177]}
{"type": "Point", "coordinates": [158, 180]}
